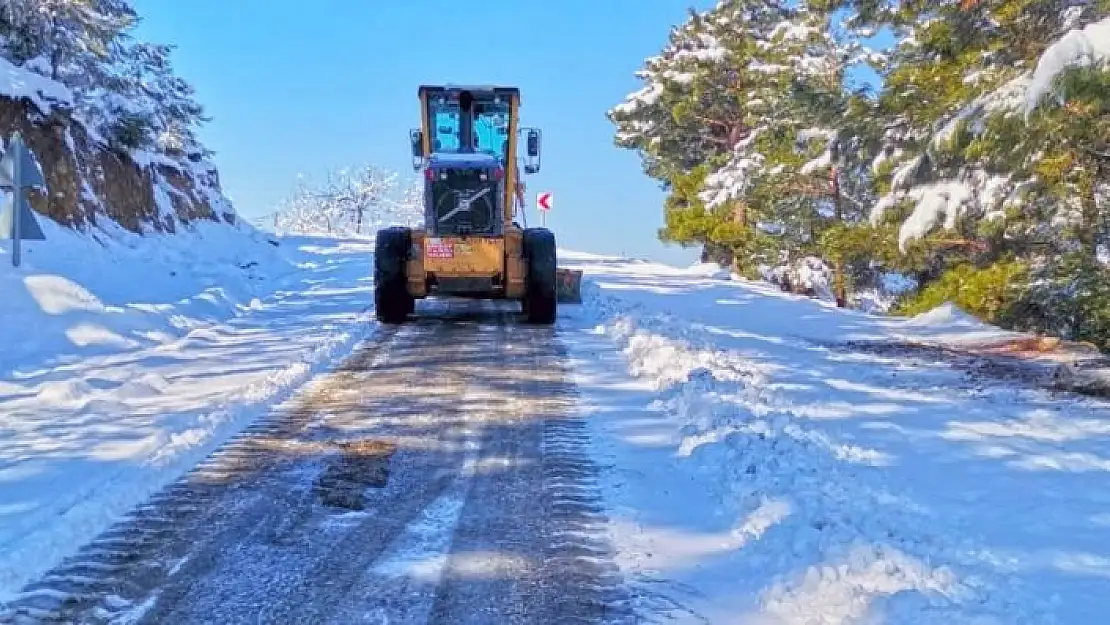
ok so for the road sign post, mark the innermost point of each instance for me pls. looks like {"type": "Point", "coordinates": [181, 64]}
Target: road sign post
{"type": "Point", "coordinates": [543, 203]}
{"type": "Point", "coordinates": [17, 192]}
{"type": "Point", "coordinates": [19, 171]}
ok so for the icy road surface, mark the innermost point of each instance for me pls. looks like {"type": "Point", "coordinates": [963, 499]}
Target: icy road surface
{"type": "Point", "coordinates": [437, 476]}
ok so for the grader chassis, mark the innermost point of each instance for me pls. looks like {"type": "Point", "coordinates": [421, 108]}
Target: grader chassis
{"type": "Point", "coordinates": [470, 246]}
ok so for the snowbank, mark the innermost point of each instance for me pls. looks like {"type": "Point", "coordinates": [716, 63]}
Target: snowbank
{"type": "Point", "coordinates": [946, 315]}
{"type": "Point", "coordinates": [765, 309]}
{"type": "Point", "coordinates": [84, 295]}
{"type": "Point", "coordinates": [761, 474]}
{"type": "Point", "coordinates": [125, 362]}
{"type": "Point", "coordinates": [809, 275]}
{"type": "Point", "coordinates": [709, 270]}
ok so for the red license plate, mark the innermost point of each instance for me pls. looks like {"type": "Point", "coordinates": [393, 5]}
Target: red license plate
{"type": "Point", "coordinates": [440, 250]}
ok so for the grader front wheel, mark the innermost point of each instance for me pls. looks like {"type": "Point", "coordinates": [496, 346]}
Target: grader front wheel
{"type": "Point", "coordinates": [392, 302]}
{"type": "Point", "coordinates": [540, 286]}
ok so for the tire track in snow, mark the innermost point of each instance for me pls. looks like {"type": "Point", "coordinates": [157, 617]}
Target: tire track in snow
{"type": "Point", "coordinates": [407, 574]}
{"type": "Point", "coordinates": [579, 559]}
{"type": "Point", "coordinates": [304, 558]}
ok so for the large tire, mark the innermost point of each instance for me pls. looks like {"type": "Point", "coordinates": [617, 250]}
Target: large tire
{"type": "Point", "coordinates": [392, 302]}
{"type": "Point", "coordinates": [539, 277]}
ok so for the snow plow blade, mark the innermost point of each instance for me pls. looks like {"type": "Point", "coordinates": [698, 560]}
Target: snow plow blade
{"type": "Point", "coordinates": [570, 285]}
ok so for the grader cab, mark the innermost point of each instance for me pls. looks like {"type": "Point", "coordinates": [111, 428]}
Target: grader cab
{"type": "Point", "coordinates": [470, 245]}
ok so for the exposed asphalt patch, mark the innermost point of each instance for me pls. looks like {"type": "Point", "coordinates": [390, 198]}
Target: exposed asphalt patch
{"type": "Point", "coordinates": [351, 467]}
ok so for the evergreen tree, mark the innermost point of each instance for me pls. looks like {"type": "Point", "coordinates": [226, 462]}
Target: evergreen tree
{"type": "Point", "coordinates": [144, 92]}
{"type": "Point", "coordinates": [125, 90]}
{"type": "Point", "coordinates": [676, 123]}
{"type": "Point", "coordinates": [951, 173]}
{"type": "Point", "coordinates": [739, 119]}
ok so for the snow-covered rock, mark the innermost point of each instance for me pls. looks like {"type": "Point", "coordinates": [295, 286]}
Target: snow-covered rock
{"type": "Point", "coordinates": [881, 297]}
{"type": "Point", "coordinates": [809, 275]}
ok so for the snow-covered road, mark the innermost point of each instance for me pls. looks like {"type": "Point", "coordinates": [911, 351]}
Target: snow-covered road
{"type": "Point", "coordinates": [435, 477]}
{"type": "Point", "coordinates": [752, 471]}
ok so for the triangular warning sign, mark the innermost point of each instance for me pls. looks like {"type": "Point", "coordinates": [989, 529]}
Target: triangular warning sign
{"type": "Point", "coordinates": [29, 166]}
{"type": "Point", "coordinates": [29, 229]}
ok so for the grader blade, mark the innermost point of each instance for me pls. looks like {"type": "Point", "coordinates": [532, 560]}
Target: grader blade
{"type": "Point", "coordinates": [569, 283]}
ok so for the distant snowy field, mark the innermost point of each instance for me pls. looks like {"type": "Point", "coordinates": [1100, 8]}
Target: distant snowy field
{"type": "Point", "coordinates": [758, 474]}
{"type": "Point", "coordinates": [125, 364]}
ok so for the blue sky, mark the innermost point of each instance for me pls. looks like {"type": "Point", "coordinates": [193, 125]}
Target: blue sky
{"type": "Point", "coordinates": [305, 87]}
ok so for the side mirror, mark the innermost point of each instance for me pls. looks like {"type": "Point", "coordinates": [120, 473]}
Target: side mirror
{"type": "Point", "coordinates": [532, 151]}
{"type": "Point", "coordinates": [533, 143]}
{"type": "Point", "coordinates": [416, 139]}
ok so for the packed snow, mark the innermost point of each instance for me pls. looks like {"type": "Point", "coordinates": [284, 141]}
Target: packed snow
{"type": "Point", "coordinates": [126, 361]}
{"type": "Point", "coordinates": [759, 473]}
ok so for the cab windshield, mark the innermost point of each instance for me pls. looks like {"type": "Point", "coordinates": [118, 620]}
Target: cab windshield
{"type": "Point", "coordinates": [488, 126]}
{"type": "Point", "coordinates": [446, 125]}
{"type": "Point", "coordinates": [491, 128]}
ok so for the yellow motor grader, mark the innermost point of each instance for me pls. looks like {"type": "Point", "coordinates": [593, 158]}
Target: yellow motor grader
{"type": "Point", "coordinates": [470, 245]}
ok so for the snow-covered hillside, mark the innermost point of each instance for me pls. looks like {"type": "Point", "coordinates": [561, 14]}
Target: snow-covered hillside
{"type": "Point", "coordinates": [125, 364]}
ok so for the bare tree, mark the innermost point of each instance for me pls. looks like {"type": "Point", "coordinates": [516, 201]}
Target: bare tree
{"type": "Point", "coordinates": [355, 201]}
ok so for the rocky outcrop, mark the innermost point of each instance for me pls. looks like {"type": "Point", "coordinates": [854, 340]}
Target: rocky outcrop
{"type": "Point", "coordinates": [89, 181]}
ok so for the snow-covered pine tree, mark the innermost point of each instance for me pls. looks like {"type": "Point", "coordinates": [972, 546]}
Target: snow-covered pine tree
{"type": "Point", "coordinates": [958, 66]}
{"type": "Point", "coordinates": [747, 119]}
{"type": "Point", "coordinates": [810, 135]}
{"type": "Point", "coordinates": [741, 118]}
{"type": "Point", "coordinates": [682, 122]}
{"type": "Point", "coordinates": [64, 40]}
{"type": "Point", "coordinates": [1064, 152]}
{"type": "Point", "coordinates": [143, 105]}
{"type": "Point", "coordinates": [124, 90]}
{"type": "Point", "coordinates": [972, 179]}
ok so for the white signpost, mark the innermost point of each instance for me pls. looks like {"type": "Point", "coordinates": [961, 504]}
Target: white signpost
{"type": "Point", "coordinates": [19, 171]}
{"type": "Point", "coordinates": [543, 203]}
